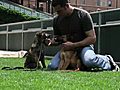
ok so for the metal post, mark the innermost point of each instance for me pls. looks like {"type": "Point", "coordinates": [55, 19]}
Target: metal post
{"type": "Point", "coordinates": [29, 3]}
{"type": "Point", "coordinates": [49, 2]}
{"type": "Point", "coordinates": [76, 3]}
{"type": "Point", "coordinates": [22, 2]}
{"type": "Point", "coordinates": [99, 32]}
{"type": "Point", "coordinates": [116, 3]}
{"type": "Point", "coordinates": [41, 25]}
{"type": "Point", "coordinates": [22, 43]}
{"type": "Point", "coordinates": [7, 38]}
{"type": "Point", "coordinates": [37, 4]}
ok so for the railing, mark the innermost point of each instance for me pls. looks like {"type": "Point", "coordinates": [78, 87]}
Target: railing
{"type": "Point", "coordinates": [22, 28]}
{"type": "Point", "coordinates": [25, 10]}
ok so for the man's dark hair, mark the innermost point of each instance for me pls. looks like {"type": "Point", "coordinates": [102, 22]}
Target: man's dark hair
{"type": "Point", "coordinates": [59, 2]}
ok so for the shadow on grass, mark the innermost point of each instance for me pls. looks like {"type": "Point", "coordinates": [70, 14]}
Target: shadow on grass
{"type": "Point", "coordinates": [45, 69]}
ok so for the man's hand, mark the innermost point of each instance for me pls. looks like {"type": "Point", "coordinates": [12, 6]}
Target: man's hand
{"type": "Point", "coordinates": [68, 46]}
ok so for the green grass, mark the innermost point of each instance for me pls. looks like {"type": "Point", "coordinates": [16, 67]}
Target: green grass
{"type": "Point", "coordinates": [54, 80]}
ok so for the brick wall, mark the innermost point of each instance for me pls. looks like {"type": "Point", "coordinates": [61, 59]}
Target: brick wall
{"type": "Point", "coordinates": [90, 5]}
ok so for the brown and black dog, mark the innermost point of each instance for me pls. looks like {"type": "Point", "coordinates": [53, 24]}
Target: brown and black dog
{"type": "Point", "coordinates": [69, 59]}
{"type": "Point", "coordinates": [35, 55]}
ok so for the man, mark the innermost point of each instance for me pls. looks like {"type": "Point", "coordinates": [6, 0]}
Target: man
{"type": "Point", "coordinates": [77, 24]}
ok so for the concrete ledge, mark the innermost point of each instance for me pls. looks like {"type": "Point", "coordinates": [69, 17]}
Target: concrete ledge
{"type": "Point", "coordinates": [118, 63]}
{"type": "Point", "coordinates": [12, 54]}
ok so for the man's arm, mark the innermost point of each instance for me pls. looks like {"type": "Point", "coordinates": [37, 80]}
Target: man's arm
{"type": "Point", "coordinates": [90, 39]}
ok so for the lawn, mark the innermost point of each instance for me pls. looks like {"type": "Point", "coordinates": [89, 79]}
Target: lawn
{"type": "Point", "coordinates": [54, 80]}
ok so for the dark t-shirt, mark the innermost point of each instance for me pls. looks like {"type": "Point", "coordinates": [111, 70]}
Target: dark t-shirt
{"type": "Point", "coordinates": [74, 26]}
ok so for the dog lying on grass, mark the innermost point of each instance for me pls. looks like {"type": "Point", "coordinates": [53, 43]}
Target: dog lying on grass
{"type": "Point", "coordinates": [69, 59]}
{"type": "Point", "coordinates": [35, 55]}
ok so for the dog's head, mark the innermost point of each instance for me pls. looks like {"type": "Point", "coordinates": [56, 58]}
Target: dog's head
{"type": "Point", "coordinates": [40, 38]}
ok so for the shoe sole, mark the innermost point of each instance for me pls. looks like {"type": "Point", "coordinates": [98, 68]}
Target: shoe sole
{"type": "Point", "coordinates": [116, 66]}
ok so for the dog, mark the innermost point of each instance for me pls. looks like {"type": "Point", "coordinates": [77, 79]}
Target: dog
{"type": "Point", "coordinates": [69, 59]}
{"type": "Point", "coordinates": [35, 55]}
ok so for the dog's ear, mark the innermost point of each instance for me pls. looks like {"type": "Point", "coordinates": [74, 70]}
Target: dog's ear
{"type": "Point", "coordinates": [33, 45]}
{"type": "Point", "coordinates": [39, 34]}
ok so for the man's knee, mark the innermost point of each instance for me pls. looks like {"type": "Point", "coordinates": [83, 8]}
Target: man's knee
{"type": "Point", "coordinates": [55, 62]}
{"type": "Point", "coordinates": [90, 61]}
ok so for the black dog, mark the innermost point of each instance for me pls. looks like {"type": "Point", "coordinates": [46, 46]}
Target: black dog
{"type": "Point", "coordinates": [35, 55]}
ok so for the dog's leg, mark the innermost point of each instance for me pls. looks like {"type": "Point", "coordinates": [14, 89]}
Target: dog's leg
{"type": "Point", "coordinates": [42, 59]}
{"type": "Point", "coordinates": [38, 65]}
{"type": "Point", "coordinates": [66, 58]}
{"type": "Point", "coordinates": [61, 61]}
{"type": "Point", "coordinates": [37, 62]}
{"type": "Point", "coordinates": [66, 64]}
{"type": "Point", "coordinates": [60, 67]}
{"type": "Point", "coordinates": [78, 65]}
{"type": "Point", "coordinates": [43, 63]}
{"type": "Point", "coordinates": [74, 61]}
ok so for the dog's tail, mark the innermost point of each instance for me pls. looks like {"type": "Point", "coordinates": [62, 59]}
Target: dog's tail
{"type": "Point", "coordinates": [25, 54]}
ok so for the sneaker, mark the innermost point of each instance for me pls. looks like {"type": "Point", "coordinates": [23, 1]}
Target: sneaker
{"type": "Point", "coordinates": [114, 66]}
